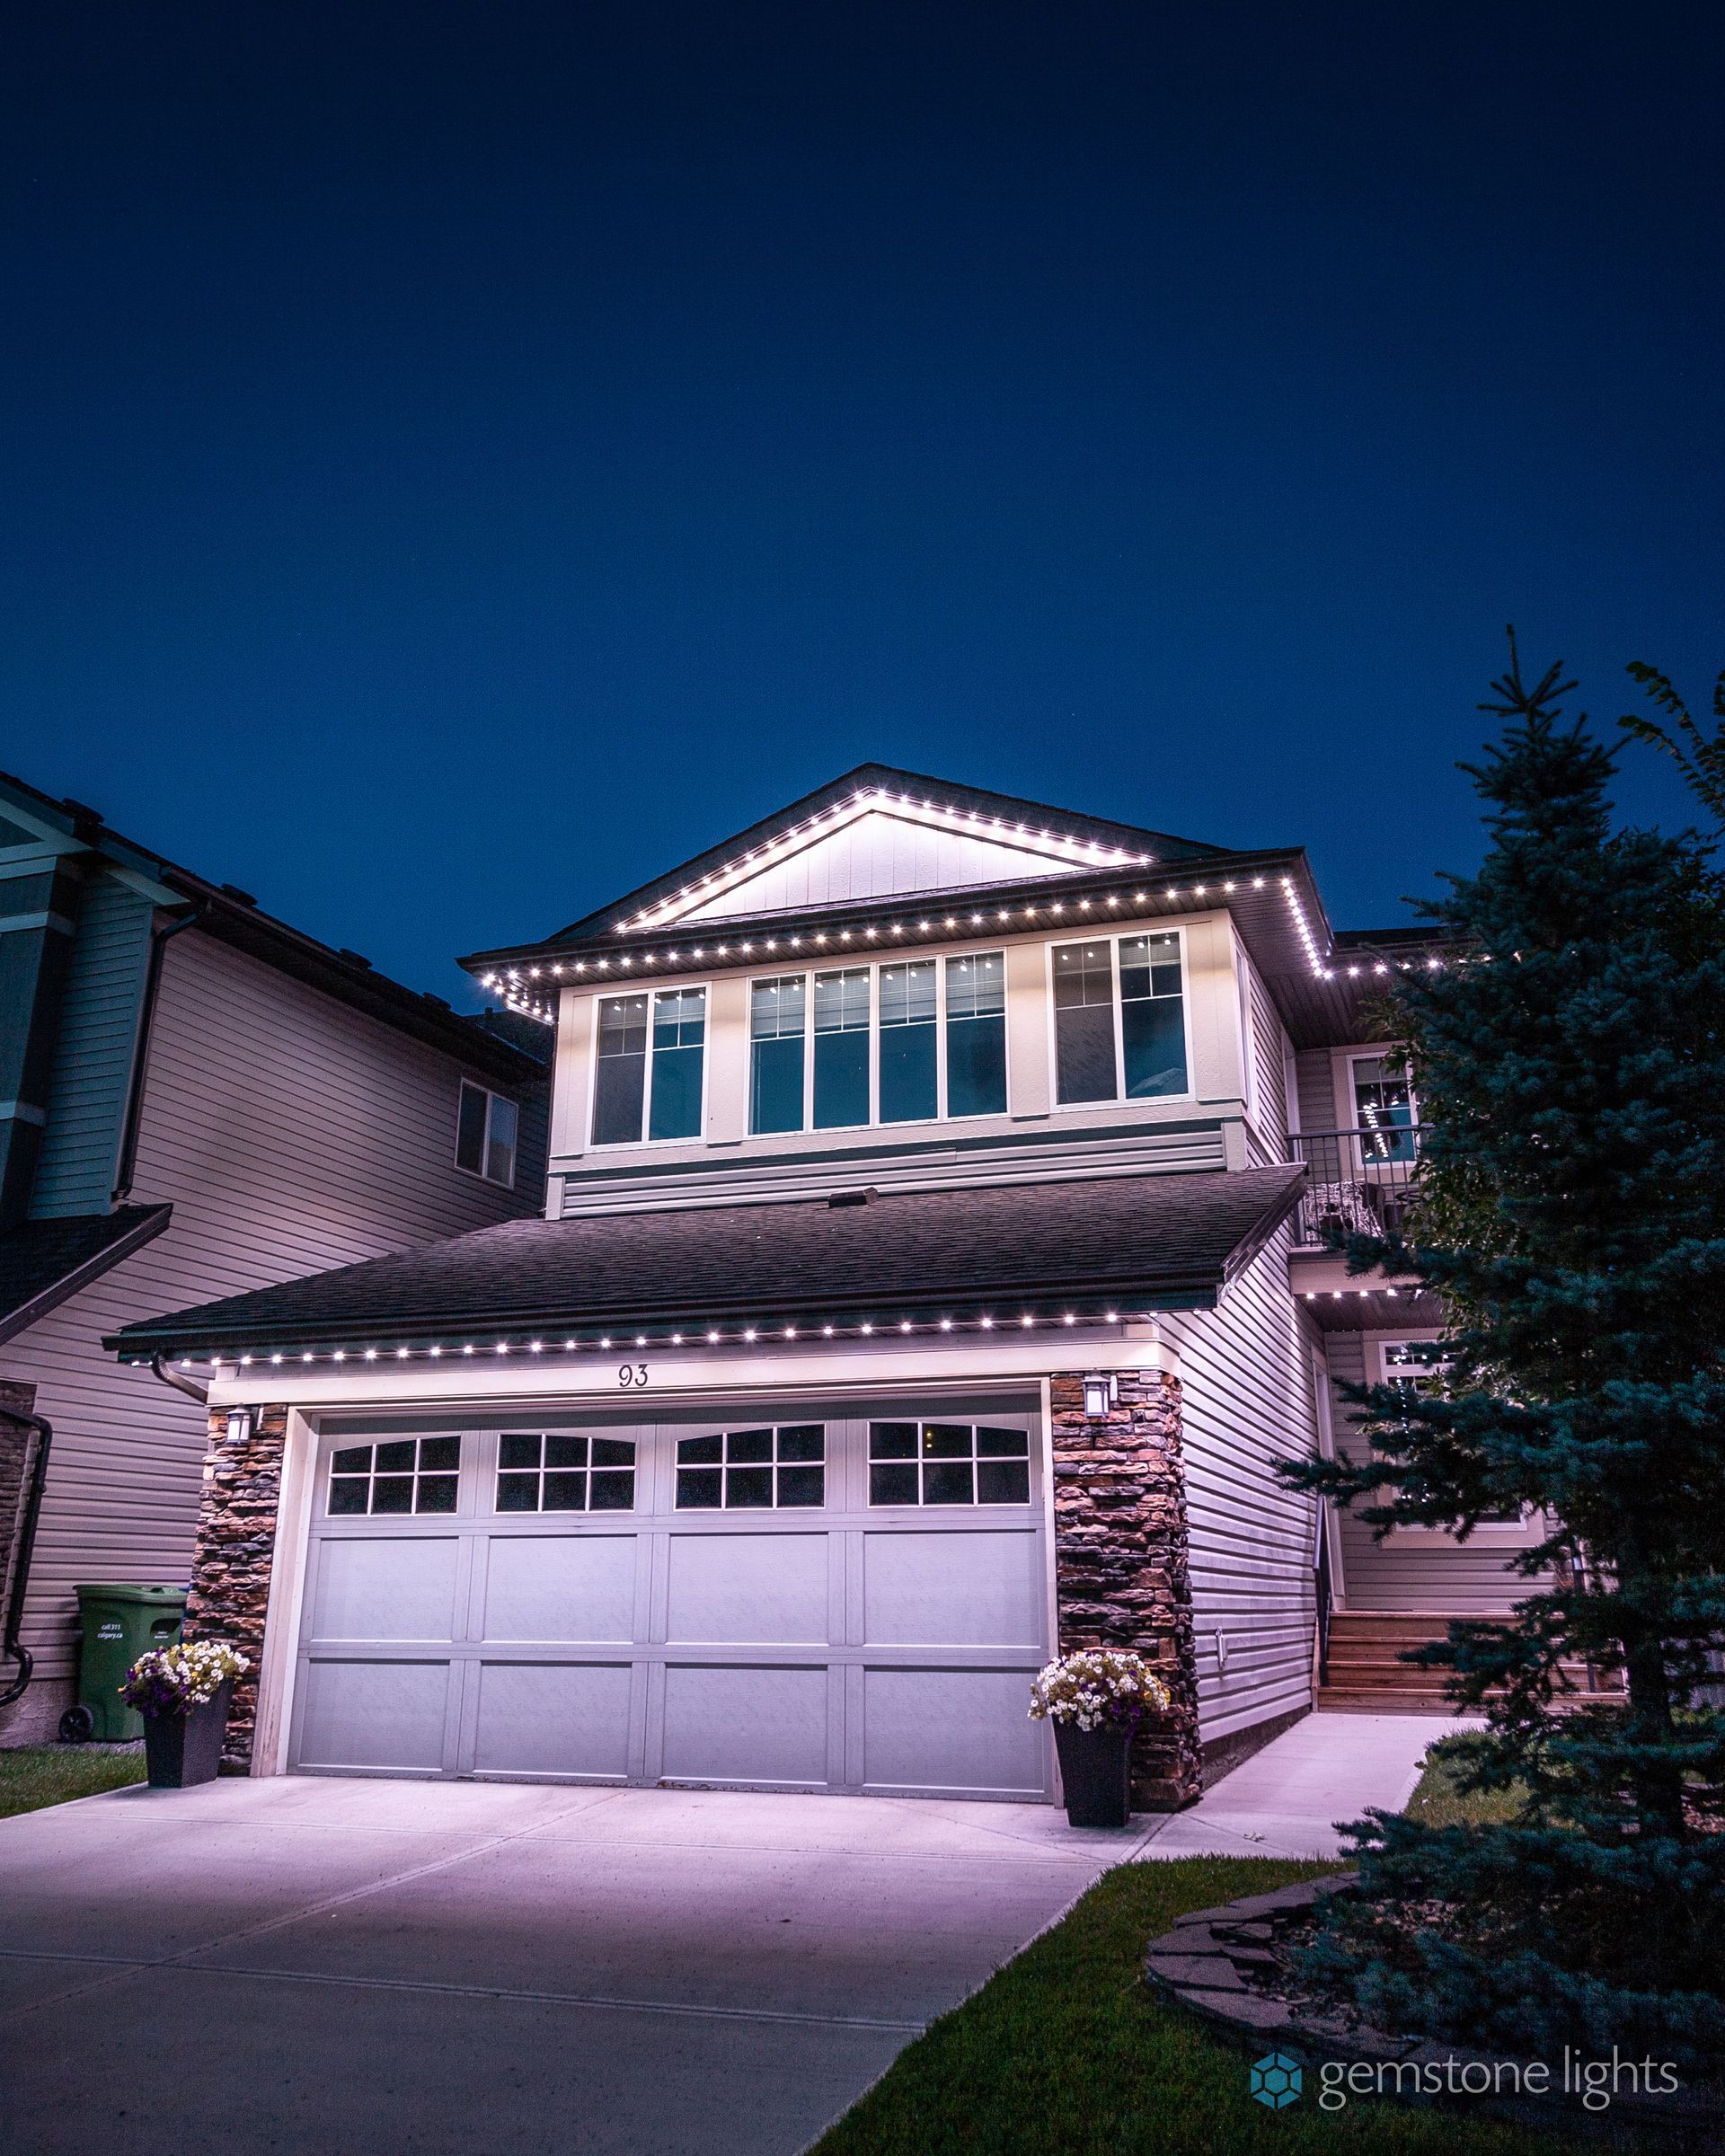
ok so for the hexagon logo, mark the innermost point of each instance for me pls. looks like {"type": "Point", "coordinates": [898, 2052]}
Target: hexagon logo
{"type": "Point", "coordinates": [1276, 2081]}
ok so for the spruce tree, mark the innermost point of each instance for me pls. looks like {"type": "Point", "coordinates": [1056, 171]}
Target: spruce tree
{"type": "Point", "coordinates": [1569, 1059]}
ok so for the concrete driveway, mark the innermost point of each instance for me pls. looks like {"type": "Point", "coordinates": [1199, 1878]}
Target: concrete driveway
{"type": "Point", "coordinates": [363, 1968]}
{"type": "Point", "coordinates": [482, 1968]}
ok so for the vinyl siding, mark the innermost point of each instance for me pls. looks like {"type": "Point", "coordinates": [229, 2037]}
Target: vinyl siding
{"type": "Point", "coordinates": [1248, 1403]}
{"type": "Point", "coordinates": [1212, 999]}
{"type": "Point", "coordinates": [1267, 1046]}
{"type": "Point", "coordinates": [1315, 1089]}
{"type": "Point", "coordinates": [290, 1133]}
{"type": "Point", "coordinates": [1424, 1572]}
{"type": "Point", "coordinates": [92, 1062]}
{"type": "Point", "coordinates": [928, 1167]}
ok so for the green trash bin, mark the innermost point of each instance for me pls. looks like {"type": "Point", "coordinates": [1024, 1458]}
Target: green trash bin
{"type": "Point", "coordinates": [121, 1623]}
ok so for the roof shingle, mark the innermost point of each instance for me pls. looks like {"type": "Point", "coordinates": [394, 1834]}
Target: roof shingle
{"type": "Point", "coordinates": [1143, 1241]}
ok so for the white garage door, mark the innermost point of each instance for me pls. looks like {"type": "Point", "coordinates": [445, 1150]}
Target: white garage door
{"type": "Point", "coordinates": [791, 1600]}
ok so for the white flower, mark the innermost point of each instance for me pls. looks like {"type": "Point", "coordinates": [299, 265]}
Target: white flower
{"type": "Point", "coordinates": [1094, 1686]}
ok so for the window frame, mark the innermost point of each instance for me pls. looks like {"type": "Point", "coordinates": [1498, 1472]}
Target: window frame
{"type": "Point", "coordinates": [1496, 1534]}
{"type": "Point", "coordinates": [650, 989]}
{"type": "Point", "coordinates": [725, 1466]}
{"type": "Point", "coordinates": [495, 1470]}
{"type": "Point", "coordinates": [1114, 937]}
{"type": "Point", "coordinates": [414, 1475]}
{"type": "Point", "coordinates": [873, 964]}
{"type": "Point", "coordinates": [472, 1085]}
{"type": "Point", "coordinates": [1353, 1059]}
{"type": "Point", "coordinates": [919, 1462]}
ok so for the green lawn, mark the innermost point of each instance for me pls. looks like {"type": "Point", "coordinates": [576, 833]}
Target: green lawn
{"type": "Point", "coordinates": [1065, 2053]}
{"type": "Point", "coordinates": [1437, 1802]}
{"type": "Point", "coordinates": [39, 1774]}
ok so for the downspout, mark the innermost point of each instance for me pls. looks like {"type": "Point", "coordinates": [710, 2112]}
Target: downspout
{"type": "Point", "coordinates": [159, 939]}
{"type": "Point", "coordinates": [11, 1645]}
{"type": "Point", "coordinates": [187, 1385]}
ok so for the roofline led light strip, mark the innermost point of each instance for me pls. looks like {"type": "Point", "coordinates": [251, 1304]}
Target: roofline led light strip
{"type": "Point", "coordinates": [971, 822]}
{"type": "Point", "coordinates": [690, 1335]}
{"type": "Point", "coordinates": [806, 945]}
{"type": "Point", "coordinates": [511, 982]}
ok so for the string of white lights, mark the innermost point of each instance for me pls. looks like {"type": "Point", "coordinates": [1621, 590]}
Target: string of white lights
{"type": "Point", "coordinates": [691, 1335]}
{"type": "Point", "coordinates": [697, 1336]}
{"type": "Point", "coordinates": [971, 822]}
{"type": "Point", "coordinates": [512, 982]}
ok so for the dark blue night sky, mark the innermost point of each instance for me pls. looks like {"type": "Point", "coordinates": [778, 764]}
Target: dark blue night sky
{"type": "Point", "coordinates": [462, 459]}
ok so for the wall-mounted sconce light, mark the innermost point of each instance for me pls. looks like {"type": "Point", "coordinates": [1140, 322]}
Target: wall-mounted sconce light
{"type": "Point", "coordinates": [239, 1425]}
{"type": "Point", "coordinates": [1101, 1391]}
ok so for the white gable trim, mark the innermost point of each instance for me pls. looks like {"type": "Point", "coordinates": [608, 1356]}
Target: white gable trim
{"type": "Point", "coordinates": [878, 845]}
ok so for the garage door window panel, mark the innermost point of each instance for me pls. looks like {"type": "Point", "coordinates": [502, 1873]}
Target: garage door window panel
{"type": "Point", "coordinates": [405, 1475]}
{"type": "Point", "coordinates": [555, 1472]}
{"type": "Point", "coordinates": [753, 1470]}
{"type": "Point", "coordinates": [948, 1463]}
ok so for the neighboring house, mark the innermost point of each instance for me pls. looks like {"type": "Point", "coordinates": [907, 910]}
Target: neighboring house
{"type": "Point", "coordinates": [931, 1279]}
{"type": "Point", "coordinates": [195, 1100]}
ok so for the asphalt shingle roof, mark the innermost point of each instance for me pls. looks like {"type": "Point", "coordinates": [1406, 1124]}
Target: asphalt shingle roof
{"type": "Point", "coordinates": [1142, 1242]}
{"type": "Point", "coordinates": [43, 1261]}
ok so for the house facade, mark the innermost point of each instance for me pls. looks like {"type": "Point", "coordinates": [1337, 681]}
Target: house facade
{"type": "Point", "coordinates": [199, 1100]}
{"type": "Point", "coordinates": [931, 1273]}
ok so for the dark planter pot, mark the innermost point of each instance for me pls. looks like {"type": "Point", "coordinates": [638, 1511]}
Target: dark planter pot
{"type": "Point", "coordinates": [1095, 1772]}
{"type": "Point", "coordinates": [181, 1750]}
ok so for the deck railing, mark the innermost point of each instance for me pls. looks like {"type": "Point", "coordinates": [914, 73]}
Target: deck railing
{"type": "Point", "coordinates": [1359, 1181]}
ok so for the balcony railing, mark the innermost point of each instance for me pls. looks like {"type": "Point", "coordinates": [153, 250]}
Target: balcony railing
{"type": "Point", "coordinates": [1360, 1181]}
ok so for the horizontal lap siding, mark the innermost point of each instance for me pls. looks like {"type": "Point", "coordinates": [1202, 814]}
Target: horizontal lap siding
{"type": "Point", "coordinates": [92, 1062]}
{"type": "Point", "coordinates": [1248, 1403]}
{"type": "Point", "coordinates": [758, 1182]}
{"type": "Point", "coordinates": [1268, 1046]}
{"type": "Point", "coordinates": [1410, 1572]}
{"type": "Point", "coordinates": [290, 1135]}
{"type": "Point", "coordinates": [1315, 1089]}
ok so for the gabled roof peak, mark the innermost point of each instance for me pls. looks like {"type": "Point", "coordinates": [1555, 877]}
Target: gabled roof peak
{"type": "Point", "coordinates": [923, 835]}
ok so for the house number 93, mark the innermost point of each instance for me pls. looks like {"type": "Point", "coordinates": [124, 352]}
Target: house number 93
{"type": "Point", "coordinates": [630, 1374]}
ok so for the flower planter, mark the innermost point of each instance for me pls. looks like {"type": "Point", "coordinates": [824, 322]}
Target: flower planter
{"type": "Point", "coordinates": [1095, 1772]}
{"type": "Point", "coordinates": [181, 1750]}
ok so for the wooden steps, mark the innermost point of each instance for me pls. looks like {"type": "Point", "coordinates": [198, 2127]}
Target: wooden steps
{"type": "Point", "coordinates": [1366, 1676]}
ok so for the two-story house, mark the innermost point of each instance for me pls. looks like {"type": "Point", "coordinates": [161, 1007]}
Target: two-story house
{"type": "Point", "coordinates": [931, 1276]}
{"type": "Point", "coordinates": [195, 1100]}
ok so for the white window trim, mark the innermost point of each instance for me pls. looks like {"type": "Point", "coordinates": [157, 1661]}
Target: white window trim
{"type": "Point", "coordinates": [1248, 1032]}
{"type": "Point", "coordinates": [1342, 1073]}
{"type": "Point", "coordinates": [872, 967]}
{"type": "Point", "coordinates": [649, 989]}
{"type": "Point", "coordinates": [1056, 1107]}
{"type": "Point", "coordinates": [479, 1174]}
{"type": "Point", "coordinates": [1489, 1534]}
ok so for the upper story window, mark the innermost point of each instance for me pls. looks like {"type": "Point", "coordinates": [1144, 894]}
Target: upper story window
{"type": "Point", "coordinates": [1382, 1109]}
{"type": "Point", "coordinates": [901, 1042]}
{"type": "Point", "coordinates": [1120, 1020]}
{"type": "Point", "coordinates": [486, 1126]}
{"type": "Point", "coordinates": [842, 1048]}
{"type": "Point", "coordinates": [650, 1070]}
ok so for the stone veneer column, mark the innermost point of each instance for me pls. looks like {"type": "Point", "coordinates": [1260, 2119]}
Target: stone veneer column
{"type": "Point", "coordinates": [236, 1546]}
{"type": "Point", "coordinates": [1120, 1558]}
